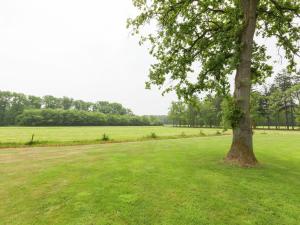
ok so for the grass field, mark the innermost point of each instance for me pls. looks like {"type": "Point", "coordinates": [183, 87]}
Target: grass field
{"type": "Point", "coordinates": [170, 182]}
{"type": "Point", "coordinates": [18, 136]}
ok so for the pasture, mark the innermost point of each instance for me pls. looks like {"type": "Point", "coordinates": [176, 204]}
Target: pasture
{"type": "Point", "coordinates": [181, 181]}
{"type": "Point", "coordinates": [19, 136]}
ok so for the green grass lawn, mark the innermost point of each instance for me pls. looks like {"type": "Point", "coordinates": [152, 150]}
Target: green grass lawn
{"type": "Point", "coordinates": [16, 136]}
{"type": "Point", "coordinates": [169, 182]}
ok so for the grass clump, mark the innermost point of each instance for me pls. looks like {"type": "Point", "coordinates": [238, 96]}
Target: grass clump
{"type": "Point", "coordinates": [153, 135]}
{"type": "Point", "coordinates": [202, 133]}
{"type": "Point", "coordinates": [105, 137]}
{"type": "Point", "coordinates": [218, 133]}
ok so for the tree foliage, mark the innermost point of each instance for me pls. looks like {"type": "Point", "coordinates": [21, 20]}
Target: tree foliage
{"type": "Point", "coordinates": [13, 104]}
{"type": "Point", "coordinates": [276, 105]}
{"type": "Point", "coordinates": [60, 117]}
{"type": "Point", "coordinates": [197, 113]}
{"type": "Point", "coordinates": [207, 33]}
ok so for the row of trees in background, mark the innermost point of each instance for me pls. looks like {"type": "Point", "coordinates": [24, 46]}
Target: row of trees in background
{"type": "Point", "coordinates": [276, 105]}
{"type": "Point", "coordinates": [20, 109]}
{"type": "Point", "coordinates": [60, 117]}
{"type": "Point", "coordinates": [197, 113]}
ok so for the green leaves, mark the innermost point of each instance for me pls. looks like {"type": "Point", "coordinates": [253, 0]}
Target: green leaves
{"type": "Point", "coordinates": [196, 112]}
{"type": "Point", "coordinates": [207, 33]}
{"type": "Point", "coordinates": [232, 114]}
{"type": "Point", "coordinates": [277, 18]}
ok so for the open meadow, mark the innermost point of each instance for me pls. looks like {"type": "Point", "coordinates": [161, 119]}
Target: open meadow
{"type": "Point", "coordinates": [18, 136]}
{"type": "Point", "coordinates": [180, 181]}
{"type": "Point", "coordinates": [144, 112]}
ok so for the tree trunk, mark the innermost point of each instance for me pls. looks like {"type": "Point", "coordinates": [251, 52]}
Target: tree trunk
{"type": "Point", "coordinates": [241, 151]}
{"type": "Point", "coordinates": [292, 114]}
{"type": "Point", "coordinates": [287, 124]}
{"type": "Point", "coordinates": [268, 119]}
{"type": "Point", "coordinates": [277, 121]}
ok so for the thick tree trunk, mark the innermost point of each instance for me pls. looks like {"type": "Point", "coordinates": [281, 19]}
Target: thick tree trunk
{"type": "Point", "coordinates": [241, 151]}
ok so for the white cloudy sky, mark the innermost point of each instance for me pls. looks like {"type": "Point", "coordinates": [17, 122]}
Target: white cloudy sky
{"type": "Point", "coordinates": [75, 48]}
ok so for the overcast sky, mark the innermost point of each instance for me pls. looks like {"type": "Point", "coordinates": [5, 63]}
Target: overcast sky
{"type": "Point", "coordinates": [75, 48]}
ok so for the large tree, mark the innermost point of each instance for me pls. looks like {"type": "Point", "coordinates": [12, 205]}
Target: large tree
{"type": "Point", "coordinates": [219, 37]}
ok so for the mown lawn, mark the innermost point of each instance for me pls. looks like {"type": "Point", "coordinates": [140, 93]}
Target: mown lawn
{"type": "Point", "coordinates": [16, 136]}
{"type": "Point", "coordinates": [170, 182]}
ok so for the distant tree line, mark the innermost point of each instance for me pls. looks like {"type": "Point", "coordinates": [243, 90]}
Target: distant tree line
{"type": "Point", "coordinates": [20, 109]}
{"type": "Point", "coordinates": [273, 106]}
{"type": "Point", "coordinates": [197, 113]}
{"type": "Point", "coordinates": [277, 105]}
{"type": "Point", "coordinates": [60, 117]}
{"type": "Point", "coordinates": [162, 119]}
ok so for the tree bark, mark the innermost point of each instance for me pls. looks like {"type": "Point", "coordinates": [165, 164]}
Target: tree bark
{"type": "Point", "coordinates": [241, 151]}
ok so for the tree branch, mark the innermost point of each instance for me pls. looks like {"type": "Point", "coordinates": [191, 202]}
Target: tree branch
{"type": "Point", "coordinates": [282, 8]}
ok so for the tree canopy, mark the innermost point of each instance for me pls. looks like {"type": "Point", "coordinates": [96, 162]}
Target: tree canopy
{"type": "Point", "coordinates": [209, 32]}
